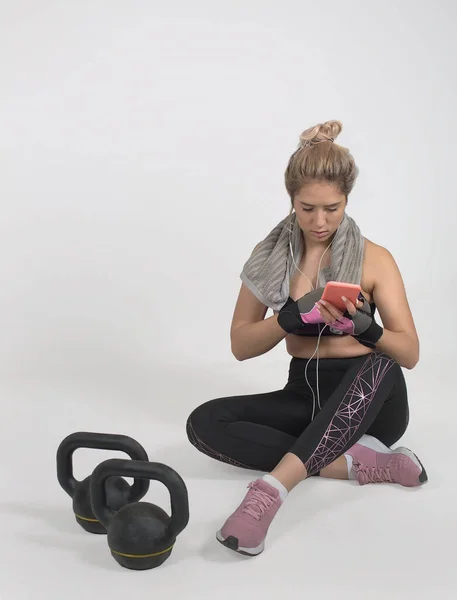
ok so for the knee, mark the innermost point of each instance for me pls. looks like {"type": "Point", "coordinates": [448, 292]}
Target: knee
{"type": "Point", "coordinates": [198, 423]}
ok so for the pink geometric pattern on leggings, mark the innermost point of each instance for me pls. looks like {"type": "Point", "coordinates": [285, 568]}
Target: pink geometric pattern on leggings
{"type": "Point", "coordinates": [205, 449]}
{"type": "Point", "coordinates": [350, 413]}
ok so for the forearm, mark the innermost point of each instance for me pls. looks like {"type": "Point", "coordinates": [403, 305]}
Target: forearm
{"type": "Point", "coordinates": [254, 339]}
{"type": "Point", "coordinates": [400, 346]}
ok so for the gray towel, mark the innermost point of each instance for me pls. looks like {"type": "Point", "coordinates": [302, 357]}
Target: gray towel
{"type": "Point", "coordinates": [268, 271]}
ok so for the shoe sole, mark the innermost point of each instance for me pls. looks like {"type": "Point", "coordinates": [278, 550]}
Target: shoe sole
{"type": "Point", "coordinates": [231, 542]}
{"type": "Point", "coordinates": [371, 442]}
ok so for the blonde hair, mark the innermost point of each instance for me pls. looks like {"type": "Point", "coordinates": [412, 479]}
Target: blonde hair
{"type": "Point", "coordinates": [318, 158]}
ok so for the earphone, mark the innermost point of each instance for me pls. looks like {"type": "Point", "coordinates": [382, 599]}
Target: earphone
{"type": "Point", "coordinates": [321, 331]}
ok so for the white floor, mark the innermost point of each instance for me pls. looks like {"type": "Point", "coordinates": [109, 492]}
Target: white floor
{"type": "Point", "coordinates": [333, 538]}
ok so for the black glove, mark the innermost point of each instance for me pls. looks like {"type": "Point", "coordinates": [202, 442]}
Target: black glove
{"type": "Point", "coordinates": [296, 314]}
{"type": "Point", "coordinates": [361, 326]}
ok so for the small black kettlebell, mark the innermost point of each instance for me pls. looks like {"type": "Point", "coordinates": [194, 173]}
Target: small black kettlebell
{"type": "Point", "coordinates": [140, 535]}
{"type": "Point", "coordinates": [118, 491]}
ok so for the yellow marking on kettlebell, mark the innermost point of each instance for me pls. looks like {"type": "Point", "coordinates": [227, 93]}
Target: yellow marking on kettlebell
{"type": "Point", "coordinates": [142, 555]}
{"type": "Point", "coordinates": [86, 519]}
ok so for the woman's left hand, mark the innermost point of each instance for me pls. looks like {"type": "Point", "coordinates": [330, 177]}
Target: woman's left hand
{"type": "Point", "coordinates": [331, 314]}
{"type": "Point", "coordinates": [359, 323]}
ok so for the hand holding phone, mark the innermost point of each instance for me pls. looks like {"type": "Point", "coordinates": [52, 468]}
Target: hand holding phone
{"type": "Point", "coordinates": [359, 323]}
{"type": "Point", "coordinates": [334, 290]}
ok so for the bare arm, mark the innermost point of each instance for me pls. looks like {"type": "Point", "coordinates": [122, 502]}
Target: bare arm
{"type": "Point", "coordinates": [400, 339]}
{"type": "Point", "coordinates": [251, 334]}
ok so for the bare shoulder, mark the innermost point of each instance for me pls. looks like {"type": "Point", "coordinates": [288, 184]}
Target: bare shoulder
{"type": "Point", "coordinates": [389, 292]}
{"type": "Point", "coordinates": [378, 261]}
{"type": "Point", "coordinates": [371, 256]}
{"type": "Point", "coordinates": [376, 257]}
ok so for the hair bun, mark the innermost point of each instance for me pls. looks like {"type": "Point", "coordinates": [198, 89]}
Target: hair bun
{"type": "Point", "coordinates": [324, 132]}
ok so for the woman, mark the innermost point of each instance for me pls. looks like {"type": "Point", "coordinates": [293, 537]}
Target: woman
{"type": "Point", "coordinates": [357, 378]}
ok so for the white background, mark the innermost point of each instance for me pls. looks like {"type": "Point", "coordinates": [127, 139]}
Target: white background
{"type": "Point", "coordinates": [142, 154]}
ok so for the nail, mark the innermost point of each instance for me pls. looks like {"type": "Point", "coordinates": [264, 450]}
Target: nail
{"type": "Point", "coordinates": [322, 302]}
{"type": "Point", "coordinates": [344, 298]}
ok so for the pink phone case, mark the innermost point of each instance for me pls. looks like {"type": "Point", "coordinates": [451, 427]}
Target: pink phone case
{"type": "Point", "coordinates": [335, 289]}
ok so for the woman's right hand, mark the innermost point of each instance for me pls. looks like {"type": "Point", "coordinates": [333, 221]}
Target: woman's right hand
{"type": "Point", "coordinates": [296, 314]}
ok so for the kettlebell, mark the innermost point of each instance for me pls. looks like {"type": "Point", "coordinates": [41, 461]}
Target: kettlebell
{"type": "Point", "coordinates": [141, 535]}
{"type": "Point", "coordinates": [118, 491]}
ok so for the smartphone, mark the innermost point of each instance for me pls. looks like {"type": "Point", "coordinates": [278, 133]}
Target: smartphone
{"type": "Point", "coordinates": [335, 289]}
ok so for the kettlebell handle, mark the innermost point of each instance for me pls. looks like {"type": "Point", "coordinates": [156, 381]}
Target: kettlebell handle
{"type": "Point", "coordinates": [98, 441]}
{"type": "Point", "coordinates": [142, 470]}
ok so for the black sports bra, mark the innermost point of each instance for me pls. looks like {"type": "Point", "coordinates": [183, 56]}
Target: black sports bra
{"type": "Point", "coordinates": [314, 329]}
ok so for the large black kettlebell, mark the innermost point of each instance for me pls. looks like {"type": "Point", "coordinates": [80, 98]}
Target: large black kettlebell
{"type": "Point", "coordinates": [140, 535]}
{"type": "Point", "coordinates": [118, 491]}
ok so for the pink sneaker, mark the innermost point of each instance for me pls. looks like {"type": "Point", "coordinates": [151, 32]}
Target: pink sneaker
{"type": "Point", "coordinates": [372, 462]}
{"type": "Point", "coordinates": [245, 530]}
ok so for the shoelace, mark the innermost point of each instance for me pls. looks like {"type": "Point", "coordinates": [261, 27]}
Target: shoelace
{"type": "Point", "coordinates": [372, 474]}
{"type": "Point", "coordinates": [258, 503]}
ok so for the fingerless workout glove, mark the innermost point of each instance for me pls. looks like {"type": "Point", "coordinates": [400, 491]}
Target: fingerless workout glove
{"type": "Point", "coordinates": [298, 313]}
{"type": "Point", "coordinates": [361, 326]}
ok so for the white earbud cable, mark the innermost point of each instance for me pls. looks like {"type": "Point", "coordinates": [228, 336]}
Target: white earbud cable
{"type": "Point", "coordinates": [320, 331]}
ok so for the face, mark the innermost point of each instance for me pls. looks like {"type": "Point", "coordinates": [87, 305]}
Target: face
{"type": "Point", "coordinates": [320, 209]}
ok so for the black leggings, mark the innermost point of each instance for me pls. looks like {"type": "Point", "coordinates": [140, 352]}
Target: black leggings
{"type": "Point", "coordinates": [366, 394]}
